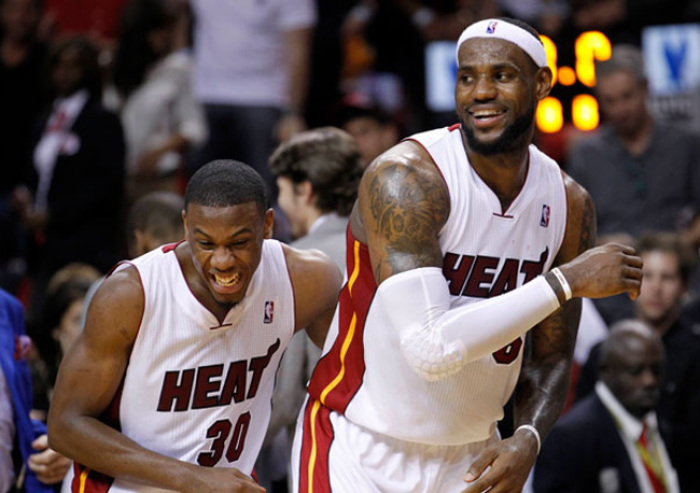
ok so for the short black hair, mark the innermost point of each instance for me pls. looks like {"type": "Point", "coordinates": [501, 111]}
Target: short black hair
{"type": "Point", "coordinates": [225, 183]}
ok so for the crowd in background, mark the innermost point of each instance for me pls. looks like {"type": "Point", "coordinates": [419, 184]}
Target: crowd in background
{"type": "Point", "coordinates": [103, 103]}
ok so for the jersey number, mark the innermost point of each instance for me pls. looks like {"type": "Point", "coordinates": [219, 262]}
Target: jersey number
{"type": "Point", "coordinates": [220, 431]}
{"type": "Point", "coordinates": [507, 354]}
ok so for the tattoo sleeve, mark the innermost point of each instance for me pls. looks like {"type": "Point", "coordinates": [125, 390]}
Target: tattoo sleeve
{"type": "Point", "coordinates": [404, 208]}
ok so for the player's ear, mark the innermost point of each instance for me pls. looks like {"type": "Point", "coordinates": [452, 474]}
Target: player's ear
{"type": "Point", "coordinates": [543, 82]}
{"type": "Point", "coordinates": [269, 224]}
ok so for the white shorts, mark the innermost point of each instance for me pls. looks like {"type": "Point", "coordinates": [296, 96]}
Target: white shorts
{"type": "Point", "coordinates": [340, 456]}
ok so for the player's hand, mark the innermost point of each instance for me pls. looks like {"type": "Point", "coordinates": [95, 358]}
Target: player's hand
{"type": "Point", "coordinates": [503, 467]}
{"type": "Point", "coordinates": [604, 271]}
{"type": "Point", "coordinates": [222, 480]}
{"type": "Point", "coordinates": [49, 466]}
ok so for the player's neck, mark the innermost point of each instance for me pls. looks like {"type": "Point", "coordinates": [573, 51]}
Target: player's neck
{"type": "Point", "coordinates": [504, 173]}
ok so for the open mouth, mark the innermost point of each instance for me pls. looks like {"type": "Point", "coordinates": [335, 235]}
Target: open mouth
{"type": "Point", "coordinates": [226, 281]}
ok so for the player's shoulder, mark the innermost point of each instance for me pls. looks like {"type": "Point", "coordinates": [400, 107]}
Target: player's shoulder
{"type": "Point", "coordinates": [303, 259]}
{"type": "Point", "coordinates": [404, 162]}
{"type": "Point", "coordinates": [122, 289]}
{"type": "Point", "coordinates": [311, 269]}
{"type": "Point", "coordinates": [576, 194]}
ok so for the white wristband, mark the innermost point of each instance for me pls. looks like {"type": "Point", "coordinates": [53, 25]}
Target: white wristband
{"type": "Point", "coordinates": [534, 432]}
{"type": "Point", "coordinates": [564, 283]}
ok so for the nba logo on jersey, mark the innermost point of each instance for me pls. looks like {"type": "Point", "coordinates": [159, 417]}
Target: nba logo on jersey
{"type": "Point", "coordinates": [491, 27]}
{"type": "Point", "coordinates": [269, 312]}
{"type": "Point", "coordinates": [544, 220]}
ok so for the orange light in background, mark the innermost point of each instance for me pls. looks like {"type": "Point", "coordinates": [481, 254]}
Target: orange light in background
{"type": "Point", "coordinates": [549, 115]}
{"type": "Point", "coordinates": [590, 46]}
{"type": "Point", "coordinates": [567, 76]}
{"type": "Point", "coordinates": [551, 50]}
{"type": "Point", "coordinates": [584, 112]}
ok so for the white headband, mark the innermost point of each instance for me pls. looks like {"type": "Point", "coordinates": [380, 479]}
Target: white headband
{"type": "Point", "coordinates": [498, 28]}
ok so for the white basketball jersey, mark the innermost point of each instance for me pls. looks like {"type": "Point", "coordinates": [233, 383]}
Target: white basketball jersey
{"type": "Point", "coordinates": [198, 390]}
{"type": "Point", "coordinates": [487, 252]}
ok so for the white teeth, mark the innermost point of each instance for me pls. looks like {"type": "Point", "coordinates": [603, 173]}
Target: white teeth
{"type": "Point", "coordinates": [485, 114]}
{"type": "Point", "coordinates": [223, 281]}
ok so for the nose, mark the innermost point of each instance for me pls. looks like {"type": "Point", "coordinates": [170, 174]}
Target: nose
{"type": "Point", "coordinates": [484, 89]}
{"type": "Point", "coordinates": [222, 259]}
{"type": "Point", "coordinates": [650, 378]}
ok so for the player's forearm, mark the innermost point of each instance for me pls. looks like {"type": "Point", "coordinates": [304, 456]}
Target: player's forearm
{"type": "Point", "coordinates": [541, 394]}
{"type": "Point", "coordinates": [438, 339]}
{"type": "Point", "coordinates": [95, 445]}
{"type": "Point", "coordinates": [546, 373]}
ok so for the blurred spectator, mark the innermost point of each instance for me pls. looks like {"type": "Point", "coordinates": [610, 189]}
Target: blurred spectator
{"type": "Point", "coordinates": [160, 116]}
{"type": "Point", "coordinates": [74, 207]}
{"type": "Point", "coordinates": [610, 442]}
{"type": "Point", "coordinates": [251, 73]}
{"type": "Point", "coordinates": [58, 325]}
{"type": "Point", "coordinates": [318, 173]}
{"type": "Point", "coordinates": [22, 59]}
{"type": "Point", "coordinates": [153, 220]}
{"type": "Point", "coordinates": [372, 128]}
{"type": "Point", "coordinates": [20, 436]}
{"type": "Point", "coordinates": [642, 174]}
{"type": "Point", "coordinates": [667, 266]}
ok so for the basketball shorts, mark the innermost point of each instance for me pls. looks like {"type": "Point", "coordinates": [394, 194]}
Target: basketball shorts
{"type": "Point", "coordinates": [336, 455]}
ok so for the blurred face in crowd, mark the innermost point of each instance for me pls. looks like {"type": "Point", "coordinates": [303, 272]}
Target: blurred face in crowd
{"type": "Point", "coordinates": [622, 100]}
{"type": "Point", "coordinates": [69, 329]}
{"type": "Point", "coordinates": [293, 201]}
{"type": "Point", "coordinates": [662, 291]}
{"type": "Point", "coordinates": [497, 90]}
{"type": "Point", "coordinates": [18, 18]}
{"type": "Point", "coordinates": [68, 73]}
{"type": "Point", "coordinates": [633, 373]}
{"type": "Point", "coordinates": [372, 137]}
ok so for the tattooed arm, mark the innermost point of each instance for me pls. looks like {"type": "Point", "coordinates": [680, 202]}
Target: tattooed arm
{"type": "Point", "coordinates": [403, 204]}
{"type": "Point", "coordinates": [544, 380]}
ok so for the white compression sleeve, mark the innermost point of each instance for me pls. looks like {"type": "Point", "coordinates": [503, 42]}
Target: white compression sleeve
{"type": "Point", "coordinates": [438, 340]}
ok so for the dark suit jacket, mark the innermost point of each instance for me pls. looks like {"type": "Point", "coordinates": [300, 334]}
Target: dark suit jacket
{"type": "Point", "coordinates": [86, 194]}
{"type": "Point", "coordinates": [584, 443]}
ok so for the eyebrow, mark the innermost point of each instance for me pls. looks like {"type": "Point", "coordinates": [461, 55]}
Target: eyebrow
{"type": "Point", "coordinates": [498, 66]}
{"type": "Point", "coordinates": [232, 236]}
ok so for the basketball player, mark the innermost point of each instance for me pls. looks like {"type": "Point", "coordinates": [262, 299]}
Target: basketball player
{"type": "Point", "coordinates": [418, 363]}
{"type": "Point", "coordinates": [175, 367]}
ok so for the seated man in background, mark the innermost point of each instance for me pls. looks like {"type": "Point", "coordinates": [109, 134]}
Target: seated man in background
{"type": "Point", "coordinates": [667, 266]}
{"type": "Point", "coordinates": [610, 441]}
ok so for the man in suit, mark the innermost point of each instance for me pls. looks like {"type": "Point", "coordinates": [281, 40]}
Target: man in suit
{"type": "Point", "coordinates": [609, 442]}
{"type": "Point", "coordinates": [318, 173]}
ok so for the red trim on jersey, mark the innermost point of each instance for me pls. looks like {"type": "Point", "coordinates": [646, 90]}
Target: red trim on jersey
{"type": "Point", "coordinates": [338, 375]}
{"type": "Point", "coordinates": [169, 247]}
{"type": "Point", "coordinates": [315, 449]}
{"type": "Point", "coordinates": [454, 127]}
{"type": "Point", "coordinates": [85, 480]}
